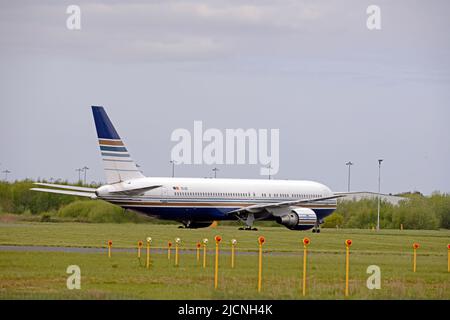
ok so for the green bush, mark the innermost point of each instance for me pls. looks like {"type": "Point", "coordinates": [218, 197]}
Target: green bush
{"type": "Point", "coordinates": [46, 218]}
{"type": "Point", "coordinates": [18, 198]}
{"type": "Point", "coordinates": [97, 211]}
{"type": "Point", "coordinates": [441, 205]}
{"type": "Point", "coordinates": [415, 212]}
{"type": "Point", "coordinates": [333, 221]}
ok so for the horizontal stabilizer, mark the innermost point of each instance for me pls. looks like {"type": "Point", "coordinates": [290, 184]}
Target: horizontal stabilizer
{"type": "Point", "coordinates": [67, 192]}
{"type": "Point", "coordinates": [63, 186]}
{"type": "Point", "coordinates": [134, 192]}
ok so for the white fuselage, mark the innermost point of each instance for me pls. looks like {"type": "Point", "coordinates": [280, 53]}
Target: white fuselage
{"type": "Point", "coordinates": [208, 199]}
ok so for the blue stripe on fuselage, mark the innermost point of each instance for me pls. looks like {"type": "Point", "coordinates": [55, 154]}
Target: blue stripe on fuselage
{"type": "Point", "coordinates": [203, 213]}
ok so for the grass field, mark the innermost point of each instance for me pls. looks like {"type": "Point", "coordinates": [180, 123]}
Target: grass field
{"type": "Point", "coordinates": [42, 275]}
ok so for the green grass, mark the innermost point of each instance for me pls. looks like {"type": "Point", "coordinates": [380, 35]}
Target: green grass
{"type": "Point", "coordinates": [42, 275]}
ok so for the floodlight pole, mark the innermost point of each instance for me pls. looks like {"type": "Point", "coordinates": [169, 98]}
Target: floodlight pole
{"type": "Point", "coordinates": [173, 162]}
{"type": "Point", "coordinates": [85, 171]}
{"type": "Point", "coordinates": [269, 167]}
{"type": "Point", "coordinates": [6, 174]}
{"type": "Point", "coordinates": [349, 164]}
{"type": "Point", "coordinates": [79, 174]}
{"type": "Point", "coordinates": [379, 190]}
{"type": "Point", "coordinates": [215, 172]}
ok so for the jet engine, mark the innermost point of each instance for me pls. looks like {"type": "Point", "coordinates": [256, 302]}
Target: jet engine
{"type": "Point", "coordinates": [298, 219]}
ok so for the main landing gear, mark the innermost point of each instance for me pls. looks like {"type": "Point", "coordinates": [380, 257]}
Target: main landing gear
{"type": "Point", "coordinates": [248, 220]}
{"type": "Point", "coordinates": [316, 228]}
{"type": "Point", "coordinates": [248, 228]}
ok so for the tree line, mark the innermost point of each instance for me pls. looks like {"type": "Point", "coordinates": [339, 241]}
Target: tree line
{"type": "Point", "coordinates": [415, 212]}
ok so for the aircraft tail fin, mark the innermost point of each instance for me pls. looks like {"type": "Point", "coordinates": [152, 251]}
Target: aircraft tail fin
{"type": "Point", "coordinates": [117, 162]}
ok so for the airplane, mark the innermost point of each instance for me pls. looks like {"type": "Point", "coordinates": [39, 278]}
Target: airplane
{"type": "Point", "coordinates": [198, 202]}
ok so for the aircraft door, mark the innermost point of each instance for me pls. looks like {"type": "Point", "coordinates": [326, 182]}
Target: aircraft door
{"type": "Point", "coordinates": [164, 194]}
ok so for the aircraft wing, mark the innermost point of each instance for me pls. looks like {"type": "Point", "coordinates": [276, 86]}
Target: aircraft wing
{"type": "Point", "coordinates": [354, 193]}
{"type": "Point", "coordinates": [67, 192]}
{"type": "Point", "coordinates": [265, 206]}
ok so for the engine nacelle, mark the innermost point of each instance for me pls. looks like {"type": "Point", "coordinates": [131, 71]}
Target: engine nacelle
{"type": "Point", "coordinates": [298, 219]}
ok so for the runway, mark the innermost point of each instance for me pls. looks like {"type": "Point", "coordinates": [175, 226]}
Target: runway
{"type": "Point", "coordinates": [127, 250]}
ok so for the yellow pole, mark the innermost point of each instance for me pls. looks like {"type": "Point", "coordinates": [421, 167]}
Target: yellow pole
{"type": "Point", "coordinates": [109, 248]}
{"type": "Point", "coordinates": [198, 251]}
{"type": "Point", "coordinates": [139, 249]}
{"type": "Point", "coordinates": [448, 258]}
{"type": "Point", "coordinates": [347, 267]}
{"type": "Point", "coordinates": [204, 256]}
{"type": "Point", "coordinates": [348, 243]}
{"type": "Point", "coordinates": [177, 243]}
{"type": "Point", "coordinates": [304, 270]}
{"type": "Point", "coordinates": [216, 266]}
{"type": "Point", "coordinates": [260, 268]}
{"type": "Point", "coordinates": [261, 240]}
{"type": "Point", "coordinates": [233, 245]}
{"type": "Point", "coordinates": [169, 245]}
{"type": "Point", "coordinates": [232, 256]}
{"type": "Point", "coordinates": [415, 247]}
{"type": "Point", "coordinates": [205, 242]}
{"type": "Point", "coordinates": [148, 255]}
{"type": "Point", "coordinates": [306, 241]}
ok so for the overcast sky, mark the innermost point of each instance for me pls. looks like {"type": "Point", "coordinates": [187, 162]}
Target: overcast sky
{"type": "Point", "coordinates": [335, 90]}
